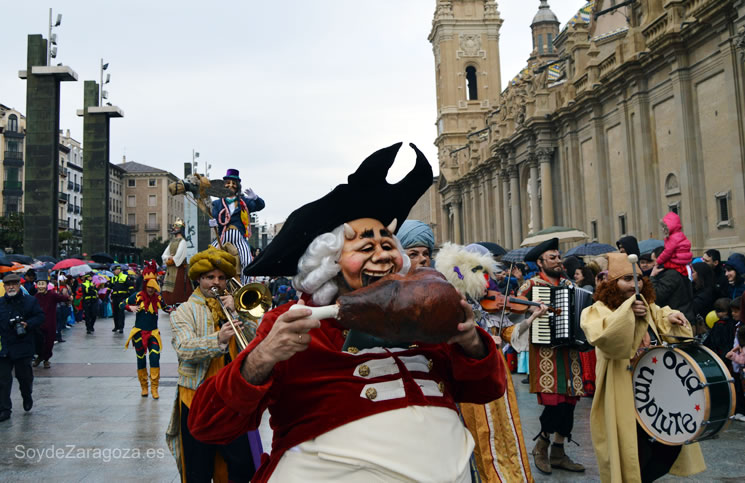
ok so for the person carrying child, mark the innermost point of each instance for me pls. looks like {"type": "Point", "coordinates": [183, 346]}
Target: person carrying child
{"type": "Point", "coordinates": [677, 253]}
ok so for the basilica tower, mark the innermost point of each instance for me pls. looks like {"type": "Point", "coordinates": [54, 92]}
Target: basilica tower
{"type": "Point", "coordinates": [465, 42]}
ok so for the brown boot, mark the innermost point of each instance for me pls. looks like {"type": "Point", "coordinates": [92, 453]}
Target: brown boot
{"type": "Point", "coordinates": [540, 455]}
{"type": "Point", "coordinates": [559, 459]}
{"type": "Point", "coordinates": [36, 362]}
{"type": "Point", "coordinates": [154, 378]}
{"type": "Point", "coordinates": [142, 376]}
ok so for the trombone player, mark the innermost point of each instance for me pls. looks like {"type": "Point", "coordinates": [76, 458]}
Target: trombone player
{"type": "Point", "coordinates": [204, 338]}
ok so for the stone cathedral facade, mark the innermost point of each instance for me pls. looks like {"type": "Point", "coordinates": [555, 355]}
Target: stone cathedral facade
{"type": "Point", "coordinates": [629, 111]}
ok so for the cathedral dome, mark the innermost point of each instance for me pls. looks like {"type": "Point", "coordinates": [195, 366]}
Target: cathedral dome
{"type": "Point", "coordinates": [544, 14]}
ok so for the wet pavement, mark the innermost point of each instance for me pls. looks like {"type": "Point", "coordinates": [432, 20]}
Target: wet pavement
{"type": "Point", "coordinates": [89, 422]}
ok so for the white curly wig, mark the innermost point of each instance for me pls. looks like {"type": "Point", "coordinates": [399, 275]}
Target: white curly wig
{"type": "Point", "coordinates": [459, 265]}
{"type": "Point", "coordinates": [319, 265]}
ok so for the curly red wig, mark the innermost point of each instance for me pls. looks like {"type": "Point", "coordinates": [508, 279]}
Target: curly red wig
{"type": "Point", "coordinates": [612, 296]}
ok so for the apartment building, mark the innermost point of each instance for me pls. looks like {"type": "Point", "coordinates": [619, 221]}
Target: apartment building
{"type": "Point", "coordinates": [12, 140]}
{"type": "Point", "coordinates": [149, 209]}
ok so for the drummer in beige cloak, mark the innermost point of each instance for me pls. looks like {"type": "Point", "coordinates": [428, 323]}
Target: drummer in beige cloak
{"type": "Point", "coordinates": [620, 327]}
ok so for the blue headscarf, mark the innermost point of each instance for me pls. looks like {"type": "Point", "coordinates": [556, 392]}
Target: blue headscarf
{"type": "Point", "coordinates": [414, 233]}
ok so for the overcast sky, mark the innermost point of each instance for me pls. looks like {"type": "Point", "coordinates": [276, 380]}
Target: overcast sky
{"type": "Point", "coordinates": [294, 94]}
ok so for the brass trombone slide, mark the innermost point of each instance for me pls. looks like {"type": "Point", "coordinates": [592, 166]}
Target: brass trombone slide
{"type": "Point", "coordinates": [240, 339]}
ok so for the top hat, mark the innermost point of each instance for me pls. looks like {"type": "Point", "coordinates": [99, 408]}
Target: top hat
{"type": "Point", "coordinates": [232, 174]}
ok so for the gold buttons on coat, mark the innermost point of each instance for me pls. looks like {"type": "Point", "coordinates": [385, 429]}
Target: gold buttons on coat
{"type": "Point", "coordinates": [430, 364]}
{"type": "Point", "coordinates": [352, 350]}
{"type": "Point", "coordinates": [345, 333]}
{"type": "Point", "coordinates": [364, 370]}
{"type": "Point", "coordinates": [441, 387]}
{"type": "Point", "coordinates": [371, 393]}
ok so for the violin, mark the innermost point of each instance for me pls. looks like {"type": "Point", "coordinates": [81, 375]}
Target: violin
{"type": "Point", "coordinates": [496, 302]}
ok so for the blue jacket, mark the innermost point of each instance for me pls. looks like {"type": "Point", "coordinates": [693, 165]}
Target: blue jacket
{"type": "Point", "coordinates": [235, 217]}
{"type": "Point", "coordinates": [30, 311]}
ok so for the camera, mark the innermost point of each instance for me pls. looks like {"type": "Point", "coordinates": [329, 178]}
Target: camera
{"type": "Point", "coordinates": [15, 324]}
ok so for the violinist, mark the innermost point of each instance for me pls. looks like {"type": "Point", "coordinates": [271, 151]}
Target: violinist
{"type": "Point", "coordinates": [501, 455]}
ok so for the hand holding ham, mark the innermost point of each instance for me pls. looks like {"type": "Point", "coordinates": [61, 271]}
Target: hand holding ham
{"type": "Point", "coordinates": [288, 336]}
{"type": "Point", "coordinates": [468, 337]}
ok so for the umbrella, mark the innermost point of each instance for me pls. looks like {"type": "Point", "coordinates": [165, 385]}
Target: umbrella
{"type": "Point", "coordinates": [67, 263]}
{"type": "Point", "coordinates": [47, 258]}
{"type": "Point", "coordinates": [17, 257]}
{"type": "Point", "coordinates": [563, 233]}
{"type": "Point", "coordinates": [80, 269]}
{"type": "Point", "coordinates": [44, 266]}
{"type": "Point", "coordinates": [4, 261]}
{"type": "Point", "coordinates": [12, 268]}
{"type": "Point", "coordinates": [517, 255]}
{"type": "Point", "coordinates": [495, 249]}
{"type": "Point", "coordinates": [102, 257]}
{"type": "Point", "coordinates": [98, 279]}
{"type": "Point", "coordinates": [648, 246]}
{"type": "Point", "coordinates": [106, 273]}
{"type": "Point", "coordinates": [96, 266]}
{"type": "Point", "coordinates": [591, 248]}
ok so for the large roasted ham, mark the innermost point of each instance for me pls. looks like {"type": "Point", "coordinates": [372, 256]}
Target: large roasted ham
{"type": "Point", "coordinates": [418, 307]}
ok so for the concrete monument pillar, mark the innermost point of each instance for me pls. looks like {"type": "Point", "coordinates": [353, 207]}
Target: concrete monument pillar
{"type": "Point", "coordinates": [42, 173]}
{"type": "Point", "coordinates": [96, 144]}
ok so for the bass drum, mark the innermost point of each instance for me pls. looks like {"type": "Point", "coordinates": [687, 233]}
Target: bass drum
{"type": "Point", "coordinates": [682, 393]}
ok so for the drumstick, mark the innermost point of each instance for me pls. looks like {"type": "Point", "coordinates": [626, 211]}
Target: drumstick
{"type": "Point", "coordinates": [632, 260]}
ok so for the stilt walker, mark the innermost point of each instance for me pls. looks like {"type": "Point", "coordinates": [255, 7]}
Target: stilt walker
{"type": "Point", "coordinates": [231, 217]}
{"type": "Point", "coordinates": [145, 335]}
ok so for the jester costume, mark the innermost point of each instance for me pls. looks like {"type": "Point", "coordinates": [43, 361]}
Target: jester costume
{"type": "Point", "coordinates": [145, 335]}
{"type": "Point", "coordinates": [233, 216]}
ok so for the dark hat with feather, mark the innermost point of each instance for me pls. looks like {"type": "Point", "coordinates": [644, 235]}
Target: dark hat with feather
{"type": "Point", "coordinates": [365, 195]}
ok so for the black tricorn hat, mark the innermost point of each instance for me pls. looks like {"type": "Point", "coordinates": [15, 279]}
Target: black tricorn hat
{"type": "Point", "coordinates": [366, 195]}
{"type": "Point", "coordinates": [534, 254]}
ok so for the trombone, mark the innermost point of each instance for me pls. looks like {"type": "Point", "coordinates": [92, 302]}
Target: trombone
{"type": "Point", "coordinates": [251, 300]}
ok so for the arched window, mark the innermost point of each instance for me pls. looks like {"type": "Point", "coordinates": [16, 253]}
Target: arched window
{"type": "Point", "coordinates": [13, 123]}
{"type": "Point", "coordinates": [473, 91]}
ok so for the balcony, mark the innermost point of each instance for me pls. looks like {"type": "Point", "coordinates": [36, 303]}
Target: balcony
{"type": "Point", "coordinates": [13, 187]}
{"type": "Point", "coordinates": [69, 208]}
{"type": "Point", "coordinates": [64, 197]}
{"type": "Point", "coordinates": [13, 134]}
{"type": "Point", "coordinates": [13, 158]}
{"type": "Point", "coordinates": [133, 227]}
{"type": "Point", "coordinates": [152, 227]}
{"type": "Point", "coordinates": [77, 187]}
{"type": "Point", "coordinates": [70, 185]}
{"type": "Point", "coordinates": [63, 172]}
{"type": "Point", "coordinates": [76, 210]}
{"type": "Point", "coordinates": [64, 224]}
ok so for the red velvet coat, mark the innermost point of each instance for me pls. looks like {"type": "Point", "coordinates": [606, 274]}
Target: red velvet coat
{"type": "Point", "coordinates": [321, 389]}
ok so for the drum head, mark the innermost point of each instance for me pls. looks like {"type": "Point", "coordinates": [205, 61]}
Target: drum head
{"type": "Point", "coordinates": [671, 402]}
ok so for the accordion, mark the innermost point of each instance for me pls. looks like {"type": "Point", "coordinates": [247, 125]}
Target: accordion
{"type": "Point", "coordinates": [561, 329]}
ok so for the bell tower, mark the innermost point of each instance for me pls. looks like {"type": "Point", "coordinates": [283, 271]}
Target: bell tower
{"type": "Point", "coordinates": [465, 43]}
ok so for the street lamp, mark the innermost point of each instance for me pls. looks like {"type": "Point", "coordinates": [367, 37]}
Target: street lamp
{"type": "Point", "coordinates": [103, 94]}
{"type": "Point", "coordinates": [52, 44]}
{"type": "Point", "coordinates": [194, 163]}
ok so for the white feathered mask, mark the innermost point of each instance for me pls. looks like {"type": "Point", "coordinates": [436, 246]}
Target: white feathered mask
{"type": "Point", "coordinates": [467, 271]}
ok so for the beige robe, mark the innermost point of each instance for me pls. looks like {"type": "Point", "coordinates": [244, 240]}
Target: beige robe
{"type": "Point", "coordinates": [616, 336]}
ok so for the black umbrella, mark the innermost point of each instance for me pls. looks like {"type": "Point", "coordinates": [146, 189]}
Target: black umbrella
{"type": "Point", "coordinates": [17, 257]}
{"type": "Point", "coordinates": [47, 258]}
{"type": "Point", "coordinates": [517, 255]}
{"type": "Point", "coordinates": [495, 249]}
{"type": "Point", "coordinates": [102, 258]}
{"type": "Point", "coordinates": [4, 261]}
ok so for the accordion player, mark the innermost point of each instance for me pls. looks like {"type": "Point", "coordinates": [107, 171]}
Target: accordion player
{"type": "Point", "coordinates": [561, 329]}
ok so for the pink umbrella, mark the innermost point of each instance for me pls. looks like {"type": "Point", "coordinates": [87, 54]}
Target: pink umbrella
{"type": "Point", "coordinates": [67, 263]}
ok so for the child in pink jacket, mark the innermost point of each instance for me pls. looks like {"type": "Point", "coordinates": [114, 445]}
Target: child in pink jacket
{"type": "Point", "coordinates": [677, 253]}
